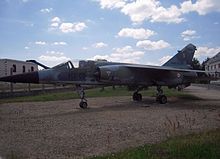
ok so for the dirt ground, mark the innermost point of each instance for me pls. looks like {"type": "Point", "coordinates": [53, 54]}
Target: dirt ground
{"type": "Point", "coordinates": [60, 129]}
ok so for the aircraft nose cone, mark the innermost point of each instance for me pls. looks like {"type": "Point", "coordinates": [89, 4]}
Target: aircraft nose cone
{"type": "Point", "coordinates": [31, 77]}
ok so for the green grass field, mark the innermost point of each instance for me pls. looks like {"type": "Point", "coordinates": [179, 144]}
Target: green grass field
{"type": "Point", "coordinates": [96, 92]}
{"type": "Point", "coordinates": [197, 146]}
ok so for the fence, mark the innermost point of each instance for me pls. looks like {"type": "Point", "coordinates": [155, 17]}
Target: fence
{"type": "Point", "coordinates": [14, 90]}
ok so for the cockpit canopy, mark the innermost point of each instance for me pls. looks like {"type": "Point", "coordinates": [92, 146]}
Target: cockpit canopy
{"type": "Point", "coordinates": [83, 64]}
{"type": "Point", "coordinates": [65, 65]}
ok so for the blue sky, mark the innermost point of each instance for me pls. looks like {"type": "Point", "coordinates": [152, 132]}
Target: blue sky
{"type": "Point", "coordinates": [141, 31]}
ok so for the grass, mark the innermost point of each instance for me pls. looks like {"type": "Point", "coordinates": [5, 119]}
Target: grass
{"type": "Point", "coordinates": [205, 145]}
{"type": "Point", "coordinates": [96, 92]}
{"type": "Point", "coordinates": [196, 146]}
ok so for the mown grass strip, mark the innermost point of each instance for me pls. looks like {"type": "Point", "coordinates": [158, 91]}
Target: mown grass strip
{"type": "Point", "coordinates": [197, 146]}
{"type": "Point", "coordinates": [96, 92]}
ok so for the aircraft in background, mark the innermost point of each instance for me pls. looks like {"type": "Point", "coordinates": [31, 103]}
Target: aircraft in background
{"type": "Point", "coordinates": [176, 72]}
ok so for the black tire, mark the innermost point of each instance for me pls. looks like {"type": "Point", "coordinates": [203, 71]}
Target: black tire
{"type": "Point", "coordinates": [135, 96]}
{"type": "Point", "coordinates": [157, 98]}
{"type": "Point", "coordinates": [83, 105]}
{"type": "Point", "coordinates": [162, 99]}
{"type": "Point", "coordinates": [139, 97]}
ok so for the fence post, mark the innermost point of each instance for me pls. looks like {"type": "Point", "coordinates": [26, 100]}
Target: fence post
{"type": "Point", "coordinates": [11, 84]}
{"type": "Point", "coordinates": [29, 85]}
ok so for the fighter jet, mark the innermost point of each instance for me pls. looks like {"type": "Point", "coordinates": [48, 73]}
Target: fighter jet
{"type": "Point", "coordinates": [176, 72]}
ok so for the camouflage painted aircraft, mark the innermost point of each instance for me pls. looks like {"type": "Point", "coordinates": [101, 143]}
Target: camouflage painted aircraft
{"type": "Point", "coordinates": [177, 72]}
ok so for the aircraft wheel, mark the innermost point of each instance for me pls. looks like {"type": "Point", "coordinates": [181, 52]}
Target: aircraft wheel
{"type": "Point", "coordinates": [137, 97]}
{"type": "Point", "coordinates": [83, 105]}
{"type": "Point", "coordinates": [162, 99]}
{"type": "Point", "coordinates": [157, 98]}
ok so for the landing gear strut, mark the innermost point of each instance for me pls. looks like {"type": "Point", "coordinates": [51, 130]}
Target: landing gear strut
{"type": "Point", "coordinates": [137, 96]}
{"type": "Point", "coordinates": [83, 103]}
{"type": "Point", "coordinates": [161, 98]}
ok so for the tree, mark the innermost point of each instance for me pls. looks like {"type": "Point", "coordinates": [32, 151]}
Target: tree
{"type": "Point", "coordinates": [196, 64]}
{"type": "Point", "coordinates": [204, 62]}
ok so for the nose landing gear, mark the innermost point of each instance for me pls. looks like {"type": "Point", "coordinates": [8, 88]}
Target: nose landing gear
{"type": "Point", "coordinates": [137, 96]}
{"type": "Point", "coordinates": [83, 103]}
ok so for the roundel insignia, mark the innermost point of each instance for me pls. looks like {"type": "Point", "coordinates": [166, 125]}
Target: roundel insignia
{"type": "Point", "coordinates": [178, 75]}
{"type": "Point", "coordinates": [108, 73]}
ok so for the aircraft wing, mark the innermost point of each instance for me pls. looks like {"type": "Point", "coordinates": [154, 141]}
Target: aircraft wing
{"type": "Point", "coordinates": [145, 74]}
{"type": "Point", "coordinates": [159, 68]}
{"type": "Point", "coordinates": [163, 70]}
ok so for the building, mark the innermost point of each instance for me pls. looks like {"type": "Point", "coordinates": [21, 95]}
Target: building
{"type": "Point", "coordinates": [12, 67]}
{"type": "Point", "coordinates": [213, 65]}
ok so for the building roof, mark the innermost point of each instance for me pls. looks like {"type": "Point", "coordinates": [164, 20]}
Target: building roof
{"type": "Point", "coordinates": [215, 58]}
{"type": "Point", "coordinates": [18, 61]}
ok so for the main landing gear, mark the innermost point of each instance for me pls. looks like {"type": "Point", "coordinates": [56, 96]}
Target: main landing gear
{"type": "Point", "coordinates": [160, 97]}
{"type": "Point", "coordinates": [137, 96]}
{"type": "Point", "coordinates": [83, 103]}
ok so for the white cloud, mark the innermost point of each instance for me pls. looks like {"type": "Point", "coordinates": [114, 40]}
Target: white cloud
{"type": "Point", "coordinates": [72, 27]}
{"type": "Point", "coordinates": [55, 53]}
{"type": "Point", "coordinates": [101, 57]}
{"type": "Point", "coordinates": [54, 59]}
{"type": "Point", "coordinates": [111, 4]}
{"type": "Point", "coordinates": [46, 10]}
{"type": "Point", "coordinates": [168, 15]}
{"type": "Point", "coordinates": [40, 43]}
{"type": "Point", "coordinates": [99, 45]}
{"type": "Point", "coordinates": [66, 27]}
{"type": "Point", "coordinates": [153, 11]}
{"type": "Point", "coordinates": [152, 63]}
{"type": "Point", "coordinates": [54, 25]}
{"type": "Point", "coordinates": [126, 54]}
{"type": "Point", "coordinates": [85, 48]}
{"type": "Point", "coordinates": [50, 43]}
{"type": "Point", "coordinates": [26, 48]}
{"type": "Point", "coordinates": [152, 45]}
{"type": "Point", "coordinates": [59, 43]}
{"type": "Point", "coordinates": [188, 35]}
{"type": "Point", "coordinates": [25, 1]}
{"type": "Point", "coordinates": [164, 59]}
{"type": "Point", "coordinates": [136, 33]}
{"type": "Point", "coordinates": [206, 51]}
{"type": "Point", "coordinates": [55, 20]}
{"type": "Point", "coordinates": [202, 7]}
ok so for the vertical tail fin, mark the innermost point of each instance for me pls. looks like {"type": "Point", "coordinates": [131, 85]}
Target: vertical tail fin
{"type": "Point", "coordinates": [183, 59]}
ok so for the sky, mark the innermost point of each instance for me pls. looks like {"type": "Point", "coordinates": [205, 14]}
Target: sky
{"type": "Point", "coordinates": [136, 31]}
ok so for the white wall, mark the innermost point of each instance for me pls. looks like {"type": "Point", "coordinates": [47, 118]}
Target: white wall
{"type": "Point", "coordinates": [7, 64]}
{"type": "Point", "coordinates": [213, 67]}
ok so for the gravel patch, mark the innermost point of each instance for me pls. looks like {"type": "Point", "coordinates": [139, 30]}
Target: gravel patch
{"type": "Point", "coordinates": [60, 129]}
